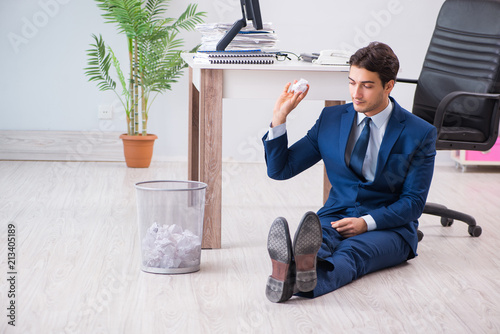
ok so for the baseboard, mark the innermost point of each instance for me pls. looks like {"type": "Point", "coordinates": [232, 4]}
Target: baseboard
{"type": "Point", "coordinates": [88, 146]}
{"type": "Point", "coordinates": [61, 145]}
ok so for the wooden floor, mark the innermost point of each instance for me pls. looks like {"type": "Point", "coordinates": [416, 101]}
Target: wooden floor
{"type": "Point", "coordinates": [78, 258]}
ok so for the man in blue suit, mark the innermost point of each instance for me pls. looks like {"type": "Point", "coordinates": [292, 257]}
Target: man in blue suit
{"type": "Point", "coordinates": [379, 159]}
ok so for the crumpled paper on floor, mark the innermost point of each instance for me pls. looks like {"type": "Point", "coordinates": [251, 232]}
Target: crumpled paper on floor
{"type": "Point", "coordinates": [169, 246]}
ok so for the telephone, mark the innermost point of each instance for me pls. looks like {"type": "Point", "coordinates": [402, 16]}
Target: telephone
{"type": "Point", "coordinates": [333, 57]}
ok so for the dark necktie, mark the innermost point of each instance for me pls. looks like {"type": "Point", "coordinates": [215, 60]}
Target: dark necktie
{"type": "Point", "coordinates": [359, 151]}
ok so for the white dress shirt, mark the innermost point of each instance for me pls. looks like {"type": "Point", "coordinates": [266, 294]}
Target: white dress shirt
{"type": "Point", "coordinates": [377, 130]}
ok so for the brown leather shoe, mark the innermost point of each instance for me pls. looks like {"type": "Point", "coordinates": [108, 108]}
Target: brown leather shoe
{"type": "Point", "coordinates": [306, 244]}
{"type": "Point", "coordinates": [280, 284]}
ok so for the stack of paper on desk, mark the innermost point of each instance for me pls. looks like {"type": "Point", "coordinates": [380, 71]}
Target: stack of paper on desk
{"type": "Point", "coordinates": [247, 39]}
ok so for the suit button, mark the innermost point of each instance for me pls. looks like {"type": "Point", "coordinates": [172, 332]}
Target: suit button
{"type": "Point", "coordinates": [357, 204]}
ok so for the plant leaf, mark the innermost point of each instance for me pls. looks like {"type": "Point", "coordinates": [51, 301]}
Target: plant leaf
{"type": "Point", "coordinates": [121, 77]}
{"type": "Point", "coordinates": [189, 19]}
{"type": "Point", "coordinates": [98, 65]}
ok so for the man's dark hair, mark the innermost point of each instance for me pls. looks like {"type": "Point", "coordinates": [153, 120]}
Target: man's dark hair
{"type": "Point", "coordinates": [379, 58]}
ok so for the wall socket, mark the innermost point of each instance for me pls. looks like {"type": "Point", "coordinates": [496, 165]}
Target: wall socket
{"type": "Point", "coordinates": [105, 111]}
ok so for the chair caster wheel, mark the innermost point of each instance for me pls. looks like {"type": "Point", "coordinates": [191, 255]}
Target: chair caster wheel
{"type": "Point", "coordinates": [446, 221]}
{"type": "Point", "coordinates": [420, 235]}
{"type": "Point", "coordinates": [475, 231]}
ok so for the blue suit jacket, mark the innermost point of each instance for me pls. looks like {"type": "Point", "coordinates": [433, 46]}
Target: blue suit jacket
{"type": "Point", "coordinates": [405, 164]}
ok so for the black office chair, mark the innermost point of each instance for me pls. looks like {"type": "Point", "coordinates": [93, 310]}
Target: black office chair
{"type": "Point", "coordinates": [458, 89]}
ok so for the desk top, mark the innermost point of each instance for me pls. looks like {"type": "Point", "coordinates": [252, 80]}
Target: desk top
{"type": "Point", "coordinates": [267, 81]}
{"type": "Point", "coordinates": [286, 65]}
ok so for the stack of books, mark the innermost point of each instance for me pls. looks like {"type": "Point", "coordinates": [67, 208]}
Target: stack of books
{"type": "Point", "coordinates": [247, 39]}
{"type": "Point", "coordinates": [234, 57]}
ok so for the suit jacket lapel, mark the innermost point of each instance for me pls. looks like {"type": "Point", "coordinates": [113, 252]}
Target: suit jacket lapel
{"type": "Point", "coordinates": [345, 129]}
{"type": "Point", "coordinates": [392, 133]}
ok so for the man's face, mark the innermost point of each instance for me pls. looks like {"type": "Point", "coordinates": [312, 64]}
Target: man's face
{"type": "Point", "coordinates": [367, 93]}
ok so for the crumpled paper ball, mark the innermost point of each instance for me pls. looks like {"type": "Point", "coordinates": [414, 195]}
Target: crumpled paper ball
{"type": "Point", "coordinates": [300, 86]}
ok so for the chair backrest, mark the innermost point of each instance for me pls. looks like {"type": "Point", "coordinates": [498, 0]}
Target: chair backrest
{"type": "Point", "coordinates": [463, 55]}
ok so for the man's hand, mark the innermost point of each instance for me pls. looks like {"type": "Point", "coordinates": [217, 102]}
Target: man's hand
{"type": "Point", "coordinates": [349, 227]}
{"type": "Point", "coordinates": [286, 103]}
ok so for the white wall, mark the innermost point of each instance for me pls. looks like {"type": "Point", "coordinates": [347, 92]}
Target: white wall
{"type": "Point", "coordinates": [43, 55]}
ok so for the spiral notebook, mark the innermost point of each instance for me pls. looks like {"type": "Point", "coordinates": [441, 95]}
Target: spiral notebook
{"type": "Point", "coordinates": [234, 57]}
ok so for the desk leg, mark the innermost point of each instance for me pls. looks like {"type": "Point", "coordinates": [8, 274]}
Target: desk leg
{"type": "Point", "coordinates": [210, 153]}
{"type": "Point", "coordinates": [193, 131]}
{"type": "Point", "coordinates": [326, 183]}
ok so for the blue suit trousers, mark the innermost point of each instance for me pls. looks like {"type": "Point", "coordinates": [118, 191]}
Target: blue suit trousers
{"type": "Point", "coordinates": [342, 260]}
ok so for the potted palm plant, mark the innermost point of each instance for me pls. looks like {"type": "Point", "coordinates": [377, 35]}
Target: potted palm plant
{"type": "Point", "coordinates": [155, 63]}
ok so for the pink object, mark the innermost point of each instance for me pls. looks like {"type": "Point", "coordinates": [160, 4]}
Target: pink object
{"type": "Point", "coordinates": [492, 155]}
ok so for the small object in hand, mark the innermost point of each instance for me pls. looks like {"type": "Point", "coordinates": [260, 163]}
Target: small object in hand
{"type": "Point", "coordinates": [300, 86]}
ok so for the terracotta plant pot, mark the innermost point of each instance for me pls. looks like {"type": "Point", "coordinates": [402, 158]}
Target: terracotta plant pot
{"type": "Point", "coordinates": [138, 150]}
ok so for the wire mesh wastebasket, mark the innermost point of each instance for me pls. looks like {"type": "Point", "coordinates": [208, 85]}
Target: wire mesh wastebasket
{"type": "Point", "coordinates": [170, 217]}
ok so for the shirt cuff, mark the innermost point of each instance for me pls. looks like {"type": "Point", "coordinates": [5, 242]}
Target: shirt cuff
{"type": "Point", "coordinates": [276, 132]}
{"type": "Point", "coordinates": [370, 222]}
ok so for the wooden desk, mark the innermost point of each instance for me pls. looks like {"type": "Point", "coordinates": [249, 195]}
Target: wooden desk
{"type": "Point", "coordinates": [210, 84]}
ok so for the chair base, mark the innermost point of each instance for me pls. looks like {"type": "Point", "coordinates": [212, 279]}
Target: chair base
{"type": "Point", "coordinates": [448, 216]}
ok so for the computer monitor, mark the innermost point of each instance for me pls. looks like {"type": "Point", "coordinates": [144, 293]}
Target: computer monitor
{"type": "Point", "coordinates": [250, 10]}
{"type": "Point", "coordinates": [253, 13]}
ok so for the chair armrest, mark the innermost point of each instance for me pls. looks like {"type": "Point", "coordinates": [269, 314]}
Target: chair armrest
{"type": "Point", "coordinates": [403, 80]}
{"type": "Point", "coordinates": [446, 101]}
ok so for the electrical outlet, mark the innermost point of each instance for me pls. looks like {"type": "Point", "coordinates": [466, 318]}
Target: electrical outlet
{"type": "Point", "coordinates": [105, 111]}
